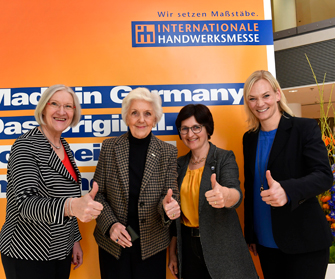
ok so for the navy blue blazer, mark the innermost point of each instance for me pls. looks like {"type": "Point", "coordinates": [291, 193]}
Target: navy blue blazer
{"type": "Point", "coordinates": [299, 162]}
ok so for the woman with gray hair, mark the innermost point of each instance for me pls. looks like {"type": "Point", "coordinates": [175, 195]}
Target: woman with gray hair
{"type": "Point", "coordinates": [137, 177]}
{"type": "Point", "coordinates": [40, 237]}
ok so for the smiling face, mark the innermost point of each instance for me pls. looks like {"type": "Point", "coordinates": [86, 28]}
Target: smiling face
{"type": "Point", "coordinates": [195, 142]}
{"type": "Point", "coordinates": [140, 118]}
{"type": "Point", "coordinates": [57, 119]}
{"type": "Point", "coordinates": [262, 101]}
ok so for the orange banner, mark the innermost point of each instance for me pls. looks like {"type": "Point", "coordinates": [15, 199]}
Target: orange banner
{"type": "Point", "coordinates": [188, 51]}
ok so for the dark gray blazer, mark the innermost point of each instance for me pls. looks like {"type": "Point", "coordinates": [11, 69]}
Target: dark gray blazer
{"type": "Point", "coordinates": [225, 250]}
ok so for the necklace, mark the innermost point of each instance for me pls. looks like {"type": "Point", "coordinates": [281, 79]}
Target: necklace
{"type": "Point", "coordinates": [260, 171]}
{"type": "Point", "coordinates": [57, 147]}
{"type": "Point", "coordinates": [194, 162]}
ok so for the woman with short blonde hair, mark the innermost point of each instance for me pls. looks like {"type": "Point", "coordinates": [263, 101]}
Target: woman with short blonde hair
{"type": "Point", "coordinates": [253, 122]}
{"type": "Point", "coordinates": [285, 167]}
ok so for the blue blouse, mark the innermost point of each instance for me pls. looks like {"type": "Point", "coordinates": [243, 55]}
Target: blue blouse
{"type": "Point", "coordinates": [262, 211]}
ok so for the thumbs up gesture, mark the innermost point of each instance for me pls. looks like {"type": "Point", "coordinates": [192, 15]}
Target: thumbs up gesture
{"type": "Point", "coordinates": [171, 206]}
{"type": "Point", "coordinates": [275, 195]}
{"type": "Point", "coordinates": [219, 195]}
{"type": "Point", "coordinates": [85, 208]}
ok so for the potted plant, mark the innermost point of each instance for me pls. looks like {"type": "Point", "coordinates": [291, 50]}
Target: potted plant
{"type": "Point", "coordinates": [327, 199]}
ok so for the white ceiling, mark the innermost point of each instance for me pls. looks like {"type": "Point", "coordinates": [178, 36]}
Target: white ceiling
{"type": "Point", "coordinates": [309, 98]}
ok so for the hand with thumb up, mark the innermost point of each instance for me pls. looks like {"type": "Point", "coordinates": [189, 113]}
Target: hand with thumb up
{"type": "Point", "coordinates": [275, 195]}
{"type": "Point", "coordinates": [85, 208]}
{"type": "Point", "coordinates": [219, 195]}
{"type": "Point", "coordinates": [171, 206]}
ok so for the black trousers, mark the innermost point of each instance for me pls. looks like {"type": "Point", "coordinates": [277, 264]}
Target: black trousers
{"type": "Point", "coordinates": [193, 262]}
{"type": "Point", "coordinates": [28, 269]}
{"type": "Point", "coordinates": [131, 266]}
{"type": "Point", "coordinates": [278, 265]}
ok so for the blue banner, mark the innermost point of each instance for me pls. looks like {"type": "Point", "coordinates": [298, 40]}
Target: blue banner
{"type": "Point", "coordinates": [201, 33]}
{"type": "Point", "coordinates": [104, 125]}
{"type": "Point", "coordinates": [218, 94]}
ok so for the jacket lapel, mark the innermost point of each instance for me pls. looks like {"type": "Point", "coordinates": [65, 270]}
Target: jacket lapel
{"type": "Point", "coordinates": [122, 161]}
{"type": "Point", "coordinates": [182, 164]}
{"type": "Point", "coordinates": [250, 150]}
{"type": "Point", "coordinates": [281, 138]}
{"type": "Point", "coordinates": [70, 155]}
{"type": "Point", "coordinates": [55, 162]}
{"type": "Point", "coordinates": [205, 184]}
{"type": "Point", "coordinates": [152, 159]}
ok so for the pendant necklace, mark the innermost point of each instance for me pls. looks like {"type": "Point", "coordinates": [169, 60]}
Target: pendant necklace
{"type": "Point", "coordinates": [195, 162]}
{"type": "Point", "coordinates": [198, 162]}
{"type": "Point", "coordinates": [57, 147]}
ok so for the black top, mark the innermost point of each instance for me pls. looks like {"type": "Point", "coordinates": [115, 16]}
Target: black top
{"type": "Point", "coordinates": [137, 157]}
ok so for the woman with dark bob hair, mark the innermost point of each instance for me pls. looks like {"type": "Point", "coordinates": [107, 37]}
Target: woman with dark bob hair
{"type": "Point", "coordinates": [209, 236]}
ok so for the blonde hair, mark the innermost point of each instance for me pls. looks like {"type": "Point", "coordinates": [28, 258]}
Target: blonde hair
{"type": "Point", "coordinates": [252, 120]}
{"type": "Point", "coordinates": [46, 96]}
{"type": "Point", "coordinates": [142, 93]}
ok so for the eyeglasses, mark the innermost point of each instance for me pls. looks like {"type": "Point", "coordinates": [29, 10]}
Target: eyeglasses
{"type": "Point", "coordinates": [196, 129]}
{"type": "Point", "coordinates": [55, 105]}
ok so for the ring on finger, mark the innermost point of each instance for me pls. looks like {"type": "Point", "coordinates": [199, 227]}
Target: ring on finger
{"type": "Point", "coordinates": [173, 215]}
{"type": "Point", "coordinates": [215, 202]}
{"type": "Point", "coordinates": [117, 240]}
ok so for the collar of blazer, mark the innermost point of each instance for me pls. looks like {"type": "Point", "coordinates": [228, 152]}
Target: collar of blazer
{"type": "Point", "coordinates": [281, 138]}
{"type": "Point", "coordinates": [122, 160]}
{"type": "Point", "coordinates": [210, 167]}
{"type": "Point", "coordinates": [183, 161]}
{"type": "Point", "coordinates": [55, 162]}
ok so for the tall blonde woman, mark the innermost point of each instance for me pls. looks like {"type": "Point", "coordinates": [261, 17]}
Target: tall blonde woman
{"type": "Point", "coordinates": [137, 177]}
{"type": "Point", "coordinates": [40, 237]}
{"type": "Point", "coordinates": [285, 166]}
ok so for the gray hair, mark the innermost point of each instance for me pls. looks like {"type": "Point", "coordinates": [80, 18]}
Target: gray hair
{"type": "Point", "coordinates": [142, 93]}
{"type": "Point", "coordinates": [46, 96]}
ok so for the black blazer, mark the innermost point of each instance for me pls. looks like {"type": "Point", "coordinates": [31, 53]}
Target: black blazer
{"type": "Point", "coordinates": [299, 162]}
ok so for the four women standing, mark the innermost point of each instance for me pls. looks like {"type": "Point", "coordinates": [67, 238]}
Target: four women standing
{"type": "Point", "coordinates": [286, 166]}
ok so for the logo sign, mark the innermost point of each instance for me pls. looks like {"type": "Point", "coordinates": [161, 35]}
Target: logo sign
{"type": "Point", "coordinates": [145, 34]}
{"type": "Point", "coordinates": [201, 33]}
